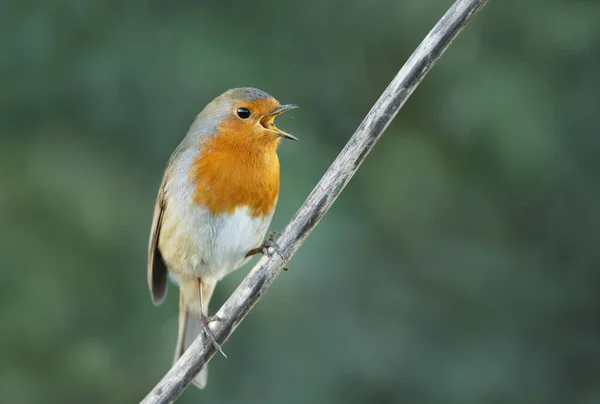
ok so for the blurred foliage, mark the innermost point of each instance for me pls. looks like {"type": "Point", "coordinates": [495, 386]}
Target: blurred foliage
{"type": "Point", "coordinates": [459, 266]}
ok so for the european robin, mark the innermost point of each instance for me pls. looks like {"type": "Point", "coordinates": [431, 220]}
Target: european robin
{"type": "Point", "coordinates": [215, 204]}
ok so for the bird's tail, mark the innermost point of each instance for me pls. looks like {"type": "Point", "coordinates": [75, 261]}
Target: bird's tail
{"type": "Point", "coordinates": [189, 329]}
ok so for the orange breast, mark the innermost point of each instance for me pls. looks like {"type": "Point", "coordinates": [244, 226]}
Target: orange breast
{"type": "Point", "coordinates": [235, 169]}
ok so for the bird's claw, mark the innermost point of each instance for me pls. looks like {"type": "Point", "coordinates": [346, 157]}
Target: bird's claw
{"type": "Point", "coordinates": [268, 244]}
{"type": "Point", "coordinates": [214, 318]}
{"type": "Point", "coordinates": [271, 243]}
{"type": "Point", "coordinates": [274, 233]}
{"type": "Point", "coordinates": [209, 334]}
{"type": "Point", "coordinates": [264, 248]}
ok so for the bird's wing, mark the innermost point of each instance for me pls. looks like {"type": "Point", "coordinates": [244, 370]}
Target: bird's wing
{"type": "Point", "coordinates": [157, 269]}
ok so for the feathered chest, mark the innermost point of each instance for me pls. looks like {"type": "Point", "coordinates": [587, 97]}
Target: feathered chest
{"type": "Point", "coordinates": [227, 179]}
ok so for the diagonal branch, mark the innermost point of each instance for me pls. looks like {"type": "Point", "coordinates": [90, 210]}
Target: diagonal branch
{"type": "Point", "coordinates": [321, 198]}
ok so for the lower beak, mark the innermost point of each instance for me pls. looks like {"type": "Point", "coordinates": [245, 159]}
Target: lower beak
{"type": "Point", "coordinates": [284, 134]}
{"type": "Point", "coordinates": [280, 110]}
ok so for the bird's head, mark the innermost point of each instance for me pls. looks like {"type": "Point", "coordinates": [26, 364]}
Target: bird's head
{"type": "Point", "coordinates": [246, 116]}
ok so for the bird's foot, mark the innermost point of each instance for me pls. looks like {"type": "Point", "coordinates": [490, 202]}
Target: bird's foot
{"type": "Point", "coordinates": [270, 242]}
{"type": "Point", "coordinates": [209, 334]}
{"type": "Point", "coordinates": [264, 248]}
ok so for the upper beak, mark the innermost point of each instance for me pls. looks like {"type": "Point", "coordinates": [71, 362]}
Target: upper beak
{"type": "Point", "coordinates": [280, 110]}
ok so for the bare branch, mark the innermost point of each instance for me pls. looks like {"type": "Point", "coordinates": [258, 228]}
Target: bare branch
{"type": "Point", "coordinates": [321, 198]}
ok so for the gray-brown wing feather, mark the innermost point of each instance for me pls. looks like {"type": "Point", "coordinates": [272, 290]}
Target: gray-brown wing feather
{"type": "Point", "coordinates": [157, 270]}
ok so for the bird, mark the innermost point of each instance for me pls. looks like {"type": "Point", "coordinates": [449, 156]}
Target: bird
{"type": "Point", "coordinates": [214, 205]}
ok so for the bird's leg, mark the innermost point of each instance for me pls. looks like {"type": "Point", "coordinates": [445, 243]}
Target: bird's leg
{"type": "Point", "coordinates": [264, 248]}
{"type": "Point", "coordinates": [206, 320]}
{"type": "Point", "coordinates": [254, 251]}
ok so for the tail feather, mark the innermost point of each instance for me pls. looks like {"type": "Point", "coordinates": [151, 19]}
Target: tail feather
{"type": "Point", "coordinates": [189, 329]}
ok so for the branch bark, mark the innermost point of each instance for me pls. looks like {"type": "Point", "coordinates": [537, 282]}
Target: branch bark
{"type": "Point", "coordinates": [320, 200]}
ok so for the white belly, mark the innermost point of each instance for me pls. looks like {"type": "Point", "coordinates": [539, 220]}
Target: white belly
{"type": "Point", "coordinates": [207, 246]}
{"type": "Point", "coordinates": [235, 235]}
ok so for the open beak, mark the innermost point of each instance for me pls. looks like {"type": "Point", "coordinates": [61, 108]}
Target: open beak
{"type": "Point", "coordinates": [268, 123]}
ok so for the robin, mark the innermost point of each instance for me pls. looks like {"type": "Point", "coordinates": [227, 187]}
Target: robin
{"type": "Point", "coordinates": [214, 205]}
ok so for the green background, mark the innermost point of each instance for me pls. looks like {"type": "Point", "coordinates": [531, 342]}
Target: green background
{"type": "Point", "coordinates": [460, 265]}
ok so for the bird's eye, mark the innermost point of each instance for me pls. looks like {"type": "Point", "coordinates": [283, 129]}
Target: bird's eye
{"type": "Point", "coordinates": [243, 113]}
